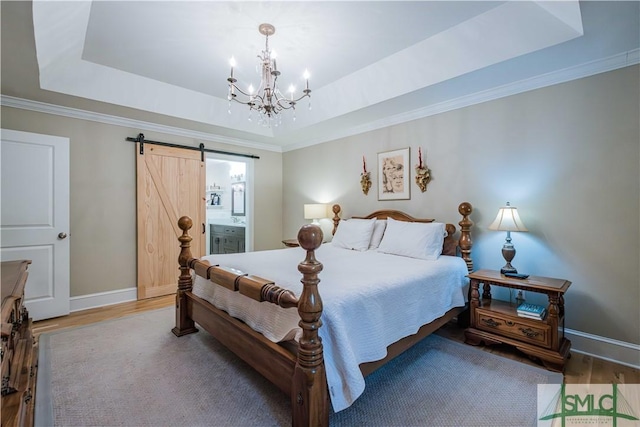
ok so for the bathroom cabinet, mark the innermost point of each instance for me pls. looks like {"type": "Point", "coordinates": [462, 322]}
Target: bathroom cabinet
{"type": "Point", "coordinates": [226, 239]}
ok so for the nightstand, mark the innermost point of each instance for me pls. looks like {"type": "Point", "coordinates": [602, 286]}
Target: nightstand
{"type": "Point", "coordinates": [494, 322]}
{"type": "Point", "coordinates": [291, 243]}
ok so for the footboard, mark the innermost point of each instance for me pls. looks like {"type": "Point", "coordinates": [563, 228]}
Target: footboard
{"type": "Point", "coordinates": [305, 382]}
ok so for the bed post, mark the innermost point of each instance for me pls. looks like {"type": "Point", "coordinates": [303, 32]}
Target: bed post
{"type": "Point", "coordinates": [336, 217]}
{"type": "Point", "coordinates": [309, 394]}
{"type": "Point", "coordinates": [184, 324]}
{"type": "Point", "coordinates": [465, 243]}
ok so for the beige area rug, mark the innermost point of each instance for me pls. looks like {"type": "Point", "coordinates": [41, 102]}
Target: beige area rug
{"type": "Point", "coordinates": [134, 372]}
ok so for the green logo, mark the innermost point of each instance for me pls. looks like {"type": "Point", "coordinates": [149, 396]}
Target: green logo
{"type": "Point", "coordinates": [581, 405]}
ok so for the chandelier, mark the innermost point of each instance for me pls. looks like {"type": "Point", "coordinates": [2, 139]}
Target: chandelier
{"type": "Point", "coordinates": [267, 100]}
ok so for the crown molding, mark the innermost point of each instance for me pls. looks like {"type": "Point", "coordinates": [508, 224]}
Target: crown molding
{"type": "Point", "coordinates": [74, 113]}
{"type": "Point", "coordinates": [611, 63]}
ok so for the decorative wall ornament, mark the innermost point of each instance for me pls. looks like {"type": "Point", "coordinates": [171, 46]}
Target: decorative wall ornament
{"type": "Point", "coordinates": [393, 175]}
{"type": "Point", "coordinates": [365, 178]}
{"type": "Point", "coordinates": [423, 174]}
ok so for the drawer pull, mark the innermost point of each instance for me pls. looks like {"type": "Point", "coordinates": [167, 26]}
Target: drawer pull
{"type": "Point", "coordinates": [529, 332]}
{"type": "Point", "coordinates": [491, 322]}
{"type": "Point", "coordinates": [509, 323]}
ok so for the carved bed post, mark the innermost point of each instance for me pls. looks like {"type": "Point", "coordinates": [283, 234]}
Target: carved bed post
{"type": "Point", "coordinates": [336, 217]}
{"type": "Point", "coordinates": [465, 243]}
{"type": "Point", "coordinates": [309, 394]}
{"type": "Point", "coordinates": [184, 324]}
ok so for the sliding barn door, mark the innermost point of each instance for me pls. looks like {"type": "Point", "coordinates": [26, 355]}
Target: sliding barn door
{"type": "Point", "coordinates": [171, 183]}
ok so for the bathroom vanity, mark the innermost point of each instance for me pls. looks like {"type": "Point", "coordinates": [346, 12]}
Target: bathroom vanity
{"type": "Point", "coordinates": [226, 239]}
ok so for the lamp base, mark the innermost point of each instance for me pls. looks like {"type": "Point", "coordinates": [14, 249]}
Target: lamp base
{"type": "Point", "coordinates": [508, 252]}
{"type": "Point", "coordinates": [508, 269]}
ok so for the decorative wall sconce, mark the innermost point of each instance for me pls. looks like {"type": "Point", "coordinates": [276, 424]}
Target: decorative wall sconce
{"type": "Point", "coordinates": [365, 178]}
{"type": "Point", "coordinates": [423, 174]}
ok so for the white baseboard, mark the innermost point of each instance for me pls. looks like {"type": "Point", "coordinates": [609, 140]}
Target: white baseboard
{"type": "Point", "coordinates": [605, 348]}
{"type": "Point", "coordinates": [621, 352]}
{"type": "Point", "coordinates": [102, 299]}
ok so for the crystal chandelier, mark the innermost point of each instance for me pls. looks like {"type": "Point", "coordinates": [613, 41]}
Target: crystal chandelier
{"type": "Point", "coordinates": [267, 100]}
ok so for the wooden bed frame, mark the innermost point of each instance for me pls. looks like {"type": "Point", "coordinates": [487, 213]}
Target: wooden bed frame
{"type": "Point", "coordinates": [300, 374]}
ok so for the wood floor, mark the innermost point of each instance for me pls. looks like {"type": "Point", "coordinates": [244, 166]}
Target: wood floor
{"type": "Point", "coordinates": [86, 317]}
{"type": "Point", "coordinates": [580, 369]}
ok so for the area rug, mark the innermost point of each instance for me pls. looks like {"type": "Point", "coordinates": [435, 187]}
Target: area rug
{"type": "Point", "coordinates": [133, 371]}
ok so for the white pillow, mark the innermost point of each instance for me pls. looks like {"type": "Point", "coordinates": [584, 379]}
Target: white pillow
{"type": "Point", "coordinates": [413, 239]}
{"type": "Point", "coordinates": [354, 234]}
{"type": "Point", "coordinates": [378, 232]}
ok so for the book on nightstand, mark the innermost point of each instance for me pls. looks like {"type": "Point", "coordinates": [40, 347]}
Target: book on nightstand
{"type": "Point", "coordinates": [531, 311]}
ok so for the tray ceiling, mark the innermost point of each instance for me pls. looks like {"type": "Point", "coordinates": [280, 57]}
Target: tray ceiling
{"type": "Point", "coordinates": [368, 60]}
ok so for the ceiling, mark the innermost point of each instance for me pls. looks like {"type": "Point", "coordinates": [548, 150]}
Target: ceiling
{"type": "Point", "coordinates": [372, 63]}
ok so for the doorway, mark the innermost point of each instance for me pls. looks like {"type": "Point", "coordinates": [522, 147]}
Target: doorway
{"type": "Point", "coordinates": [229, 202]}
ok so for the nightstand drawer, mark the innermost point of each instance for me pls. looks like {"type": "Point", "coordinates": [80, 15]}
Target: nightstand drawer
{"type": "Point", "coordinates": [515, 327]}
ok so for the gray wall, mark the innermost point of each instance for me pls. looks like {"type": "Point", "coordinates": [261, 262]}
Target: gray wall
{"type": "Point", "coordinates": [567, 156]}
{"type": "Point", "coordinates": [103, 196]}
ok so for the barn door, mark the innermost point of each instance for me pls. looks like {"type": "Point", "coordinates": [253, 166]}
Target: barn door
{"type": "Point", "coordinates": [170, 184]}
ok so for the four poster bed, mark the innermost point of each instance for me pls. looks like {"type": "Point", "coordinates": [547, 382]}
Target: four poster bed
{"type": "Point", "coordinates": [381, 293]}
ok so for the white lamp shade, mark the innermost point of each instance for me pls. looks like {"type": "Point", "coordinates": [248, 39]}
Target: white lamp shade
{"type": "Point", "coordinates": [315, 211]}
{"type": "Point", "coordinates": [508, 220]}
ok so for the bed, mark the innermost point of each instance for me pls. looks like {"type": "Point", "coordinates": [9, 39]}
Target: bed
{"type": "Point", "coordinates": [318, 350]}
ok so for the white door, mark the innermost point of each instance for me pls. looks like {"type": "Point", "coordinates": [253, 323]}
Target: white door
{"type": "Point", "coordinates": [34, 221]}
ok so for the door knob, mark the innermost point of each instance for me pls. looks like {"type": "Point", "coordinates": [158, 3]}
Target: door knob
{"type": "Point", "coordinates": [62, 236]}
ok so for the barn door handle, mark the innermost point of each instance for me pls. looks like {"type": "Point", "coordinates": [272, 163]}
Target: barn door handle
{"type": "Point", "coordinates": [62, 236]}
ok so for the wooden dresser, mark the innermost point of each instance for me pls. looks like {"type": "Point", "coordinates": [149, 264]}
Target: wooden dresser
{"type": "Point", "coordinates": [19, 350]}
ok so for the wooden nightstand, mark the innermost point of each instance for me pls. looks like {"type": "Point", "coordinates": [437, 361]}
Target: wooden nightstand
{"type": "Point", "coordinates": [291, 243]}
{"type": "Point", "coordinates": [494, 322]}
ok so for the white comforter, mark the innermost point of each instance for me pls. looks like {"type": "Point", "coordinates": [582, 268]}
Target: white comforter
{"type": "Point", "coordinates": [370, 301]}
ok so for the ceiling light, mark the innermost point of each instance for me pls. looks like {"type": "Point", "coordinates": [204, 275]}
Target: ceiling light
{"type": "Point", "coordinates": [267, 100]}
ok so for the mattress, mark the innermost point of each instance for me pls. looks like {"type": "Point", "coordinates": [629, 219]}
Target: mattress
{"type": "Point", "coordinates": [370, 300]}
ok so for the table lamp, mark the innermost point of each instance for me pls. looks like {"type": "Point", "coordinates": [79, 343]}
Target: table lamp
{"type": "Point", "coordinates": [315, 211]}
{"type": "Point", "coordinates": [508, 220]}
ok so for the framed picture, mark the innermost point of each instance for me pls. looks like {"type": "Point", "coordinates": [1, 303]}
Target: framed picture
{"type": "Point", "coordinates": [393, 175]}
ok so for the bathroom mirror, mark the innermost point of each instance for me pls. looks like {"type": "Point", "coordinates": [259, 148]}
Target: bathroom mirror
{"type": "Point", "coordinates": [237, 199]}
